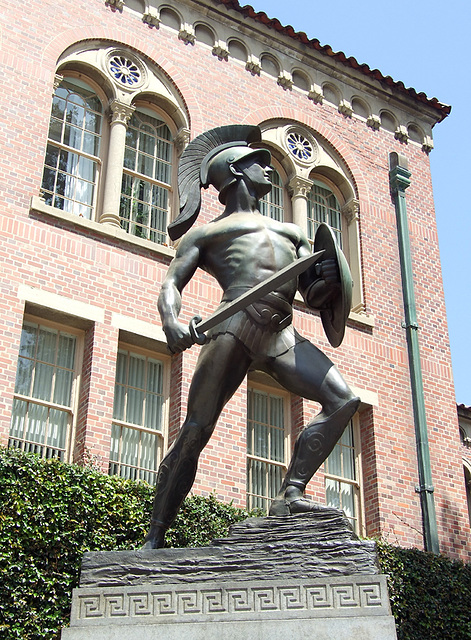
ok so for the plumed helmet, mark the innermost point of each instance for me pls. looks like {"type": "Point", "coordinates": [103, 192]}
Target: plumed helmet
{"type": "Point", "coordinates": [216, 170]}
{"type": "Point", "coordinates": [207, 160]}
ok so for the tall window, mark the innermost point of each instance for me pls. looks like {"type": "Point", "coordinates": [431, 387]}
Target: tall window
{"type": "Point", "coordinates": [72, 164]}
{"type": "Point", "coordinates": [272, 204]}
{"type": "Point", "coordinates": [137, 432]}
{"type": "Point", "coordinates": [43, 405]}
{"type": "Point", "coordinates": [266, 447]}
{"type": "Point", "coordinates": [323, 207]}
{"type": "Point", "coordinates": [342, 487]}
{"type": "Point", "coordinates": [147, 177]}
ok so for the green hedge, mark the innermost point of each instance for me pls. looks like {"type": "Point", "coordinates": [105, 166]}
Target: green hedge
{"type": "Point", "coordinates": [50, 513]}
{"type": "Point", "coordinates": [430, 594]}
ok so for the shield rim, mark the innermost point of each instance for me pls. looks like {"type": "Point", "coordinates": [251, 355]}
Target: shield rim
{"type": "Point", "coordinates": [334, 318]}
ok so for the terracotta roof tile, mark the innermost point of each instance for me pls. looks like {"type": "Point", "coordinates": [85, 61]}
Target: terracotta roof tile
{"type": "Point", "coordinates": [273, 23]}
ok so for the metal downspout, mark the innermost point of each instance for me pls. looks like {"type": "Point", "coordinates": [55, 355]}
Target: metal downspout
{"type": "Point", "coordinates": [399, 179]}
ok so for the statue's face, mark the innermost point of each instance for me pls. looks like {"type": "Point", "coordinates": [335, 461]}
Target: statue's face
{"type": "Point", "coordinates": [257, 174]}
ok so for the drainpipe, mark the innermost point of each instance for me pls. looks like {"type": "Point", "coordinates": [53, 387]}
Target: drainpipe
{"type": "Point", "coordinates": [399, 179]}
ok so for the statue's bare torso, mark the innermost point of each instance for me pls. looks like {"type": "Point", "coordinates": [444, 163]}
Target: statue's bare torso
{"type": "Point", "coordinates": [245, 248]}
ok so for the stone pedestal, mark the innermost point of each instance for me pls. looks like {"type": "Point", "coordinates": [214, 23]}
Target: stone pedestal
{"type": "Point", "coordinates": [306, 576]}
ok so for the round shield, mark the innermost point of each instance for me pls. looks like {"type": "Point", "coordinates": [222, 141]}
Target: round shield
{"type": "Point", "coordinates": [334, 317]}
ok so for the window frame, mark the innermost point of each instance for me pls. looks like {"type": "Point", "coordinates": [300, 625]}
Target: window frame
{"type": "Point", "coordinates": [286, 397]}
{"type": "Point", "coordinates": [168, 187]}
{"type": "Point", "coordinates": [123, 424]}
{"type": "Point", "coordinates": [356, 483]}
{"type": "Point", "coordinates": [101, 159]}
{"type": "Point", "coordinates": [327, 184]}
{"type": "Point", "coordinates": [73, 410]}
{"type": "Point", "coordinates": [266, 200]}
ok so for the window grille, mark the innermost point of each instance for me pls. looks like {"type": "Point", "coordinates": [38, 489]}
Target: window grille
{"type": "Point", "coordinates": [146, 177]}
{"type": "Point", "coordinates": [138, 417]}
{"type": "Point", "coordinates": [266, 447]}
{"type": "Point", "coordinates": [72, 161]}
{"type": "Point", "coordinates": [323, 206]}
{"type": "Point", "coordinates": [43, 404]}
{"type": "Point", "coordinates": [272, 204]}
{"type": "Point", "coordinates": [342, 487]}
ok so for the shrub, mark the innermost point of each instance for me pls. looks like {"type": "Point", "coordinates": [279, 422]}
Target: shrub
{"type": "Point", "coordinates": [430, 594]}
{"type": "Point", "coordinates": [51, 513]}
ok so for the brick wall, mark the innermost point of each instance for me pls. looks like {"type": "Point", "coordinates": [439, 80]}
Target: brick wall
{"type": "Point", "coordinates": [58, 257]}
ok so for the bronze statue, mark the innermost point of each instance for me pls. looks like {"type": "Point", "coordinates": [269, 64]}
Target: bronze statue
{"type": "Point", "coordinates": [242, 248]}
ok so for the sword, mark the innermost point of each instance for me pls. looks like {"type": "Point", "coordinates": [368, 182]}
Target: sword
{"type": "Point", "coordinates": [291, 271]}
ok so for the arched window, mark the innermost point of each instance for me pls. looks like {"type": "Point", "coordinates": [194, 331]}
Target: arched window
{"type": "Point", "coordinates": [272, 205]}
{"type": "Point", "coordinates": [147, 176]}
{"type": "Point", "coordinates": [323, 206]}
{"type": "Point", "coordinates": [113, 122]}
{"type": "Point", "coordinates": [72, 163]}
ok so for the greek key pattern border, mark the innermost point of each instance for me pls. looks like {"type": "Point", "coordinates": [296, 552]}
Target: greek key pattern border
{"type": "Point", "coordinates": [229, 601]}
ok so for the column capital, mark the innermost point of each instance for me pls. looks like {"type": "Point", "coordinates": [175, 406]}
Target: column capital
{"type": "Point", "coordinates": [315, 94]}
{"type": "Point", "coordinates": [181, 139]}
{"type": "Point", "coordinates": [187, 33]}
{"type": "Point", "coordinates": [151, 17]}
{"type": "Point", "coordinates": [57, 80]}
{"type": "Point", "coordinates": [221, 50]}
{"type": "Point", "coordinates": [115, 4]}
{"type": "Point", "coordinates": [351, 210]}
{"type": "Point", "coordinates": [285, 80]}
{"type": "Point", "coordinates": [300, 187]}
{"type": "Point", "coordinates": [120, 112]}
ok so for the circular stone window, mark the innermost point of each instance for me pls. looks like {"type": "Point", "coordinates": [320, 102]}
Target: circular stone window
{"type": "Point", "coordinates": [126, 70]}
{"type": "Point", "coordinates": [301, 147]}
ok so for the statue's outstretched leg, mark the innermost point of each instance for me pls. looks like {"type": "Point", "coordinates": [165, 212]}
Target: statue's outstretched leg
{"type": "Point", "coordinates": [307, 372]}
{"type": "Point", "coordinates": [312, 447]}
{"type": "Point", "coordinates": [221, 367]}
{"type": "Point", "coordinates": [175, 478]}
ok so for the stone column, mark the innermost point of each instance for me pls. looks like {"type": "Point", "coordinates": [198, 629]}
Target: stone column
{"type": "Point", "coordinates": [120, 114]}
{"type": "Point", "coordinates": [351, 239]}
{"type": "Point", "coordinates": [299, 188]}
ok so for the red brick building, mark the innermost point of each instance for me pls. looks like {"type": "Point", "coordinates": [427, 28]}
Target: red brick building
{"type": "Point", "coordinates": [99, 100]}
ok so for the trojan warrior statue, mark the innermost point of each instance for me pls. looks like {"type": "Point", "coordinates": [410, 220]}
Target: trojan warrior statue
{"type": "Point", "coordinates": [256, 261]}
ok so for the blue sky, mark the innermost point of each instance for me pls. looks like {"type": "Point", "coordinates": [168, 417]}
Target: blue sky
{"type": "Point", "coordinates": [423, 43]}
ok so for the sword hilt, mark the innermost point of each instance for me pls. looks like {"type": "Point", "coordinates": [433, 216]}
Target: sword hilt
{"type": "Point", "coordinates": [199, 338]}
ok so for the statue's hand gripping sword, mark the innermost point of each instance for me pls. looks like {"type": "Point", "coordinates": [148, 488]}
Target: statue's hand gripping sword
{"type": "Point", "coordinates": [291, 271]}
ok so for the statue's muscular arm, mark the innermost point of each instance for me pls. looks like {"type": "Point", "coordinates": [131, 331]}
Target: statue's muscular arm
{"type": "Point", "coordinates": [182, 268]}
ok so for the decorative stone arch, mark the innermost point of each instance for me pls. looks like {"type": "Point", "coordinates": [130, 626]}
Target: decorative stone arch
{"type": "Point", "coordinates": [301, 80]}
{"type": "Point", "coordinates": [266, 61]}
{"type": "Point", "coordinates": [331, 93]}
{"type": "Point", "coordinates": [238, 49]}
{"type": "Point", "coordinates": [306, 156]}
{"type": "Point", "coordinates": [204, 33]}
{"type": "Point", "coordinates": [360, 107]}
{"type": "Point", "coordinates": [126, 81]}
{"type": "Point", "coordinates": [180, 84]}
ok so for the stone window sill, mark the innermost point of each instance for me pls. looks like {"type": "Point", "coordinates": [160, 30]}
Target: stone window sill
{"type": "Point", "coordinates": [357, 318]}
{"type": "Point", "coordinates": [39, 206]}
{"type": "Point", "coordinates": [109, 231]}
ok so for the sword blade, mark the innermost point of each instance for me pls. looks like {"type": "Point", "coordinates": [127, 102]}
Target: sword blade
{"type": "Point", "coordinates": [257, 292]}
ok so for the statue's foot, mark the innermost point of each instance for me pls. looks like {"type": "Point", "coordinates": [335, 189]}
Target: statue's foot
{"type": "Point", "coordinates": [292, 501]}
{"type": "Point", "coordinates": [155, 539]}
